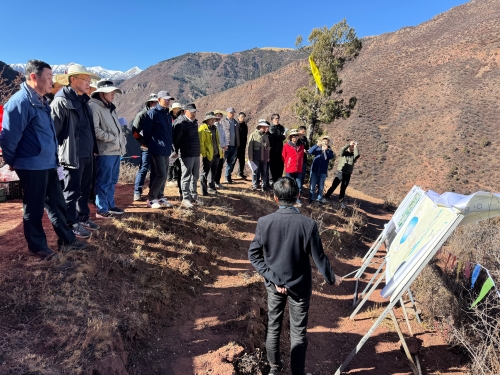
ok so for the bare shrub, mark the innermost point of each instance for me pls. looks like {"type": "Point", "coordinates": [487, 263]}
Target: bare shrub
{"type": "Point", "coordinates": [8, 89]}
{"type": "Point", "coordinates": [127, 173]}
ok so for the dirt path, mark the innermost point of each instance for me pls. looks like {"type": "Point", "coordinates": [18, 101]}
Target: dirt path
{"type": "Point", "coordinates": [224, 313]}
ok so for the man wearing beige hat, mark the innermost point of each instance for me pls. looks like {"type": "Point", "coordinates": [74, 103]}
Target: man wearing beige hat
{"type": "Point", "coordinates": [111, 143]}
{"type": "Point", "coordinates": [74, 126]}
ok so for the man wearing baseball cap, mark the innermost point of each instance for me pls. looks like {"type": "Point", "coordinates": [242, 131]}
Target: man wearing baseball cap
{"type": "Point", "coordinates": [145, 163]}
{"type": "Point", "coordinates": [157, 132]}
{"type": "Point", "coordinates": [232, 130]}
{"type": "Point", "coordinates": [74, 125]}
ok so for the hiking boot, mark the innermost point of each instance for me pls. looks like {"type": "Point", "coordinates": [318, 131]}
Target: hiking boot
{"type": "Point", "coordinates": [89, 224]}
{"type": "Point", "coordinates": [116, 211]}
{"type": "Point", "coordinates": [154, 204]}
{"type": "Point", "coordinates": [137, 197]}
{"type": "Point", "coordinates": [275, 369]}
{"type": "Point", "coordinates": [73, 245]}
{"type": "Point", "coordinates": [42, 254]}
{"type": "Point", "coordinates": [104, 215]}
{"type": "Point", "coordinates": [80, 231]}
{"type": "Point", "coordinates": [187, 203]}
{"type": "Point", "coordinates": [164, 203]}
{"type": "Point", "coordinates": [212, 191]}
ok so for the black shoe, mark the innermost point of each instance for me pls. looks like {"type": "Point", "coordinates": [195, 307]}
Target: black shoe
{"type": "Point", "coordinates": [116, 211]}
{"type": "Point", "coordinates": [43, 254]}
{"type": "Point", "coordinates": [69, 246]}
{"type": "Point", "coordinates": [89, 224]}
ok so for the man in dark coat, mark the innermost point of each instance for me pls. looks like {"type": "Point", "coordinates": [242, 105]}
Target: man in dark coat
{"type": "Point", "coordinates": [280, 252]}
{"type": "Point", "coordinates": [276, 138]}
{"type": "Point", "coordinates": [240, 155]}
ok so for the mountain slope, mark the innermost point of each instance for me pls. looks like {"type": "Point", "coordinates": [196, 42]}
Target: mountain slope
{"type": "Point", "coordinates": [428, 111]}
{"type": "Point", "coordinates": [194, 75]}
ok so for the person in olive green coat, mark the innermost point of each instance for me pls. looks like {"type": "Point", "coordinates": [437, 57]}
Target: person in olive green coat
{"type": "Point", "coordinates": [211, 153]}
{"type": "Point", "coordinates": [348, 156]}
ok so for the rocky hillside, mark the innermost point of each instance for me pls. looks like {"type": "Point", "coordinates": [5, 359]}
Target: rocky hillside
{"type": "Point", "coordinates": [428, 103]}
{"type": "Point", "coordinates": [7, 85]}
{"type": "Point", "coordinates": [194, 75]}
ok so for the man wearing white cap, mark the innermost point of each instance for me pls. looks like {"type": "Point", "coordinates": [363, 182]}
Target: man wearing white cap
{"type": "Point", "coordinates": [232, 130]}
{"type": "Point", "coordinates": [157, 131]}
{"type": "Point", "coordinates": [74, 126]}
{"type": "Point", "coordinates": [111, 143]}
{"type": "Point", "coordinates": [145, 164]}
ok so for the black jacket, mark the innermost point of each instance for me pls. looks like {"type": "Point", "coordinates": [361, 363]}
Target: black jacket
{"type": "Point", "coordinates": [280, 251]}
{"type": "Point", "coordinates": [276, 138]}
{"type": "Point", "coordinates": [243, 135]}
{"type": "Point", "coordinates": [186, 139]}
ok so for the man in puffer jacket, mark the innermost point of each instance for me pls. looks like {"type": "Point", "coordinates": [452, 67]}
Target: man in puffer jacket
{"type": "Point", "coordinates": [258, 153]}
{"type": "Point", "coordinates": [187, 144]}
{"type": "Point", "coordinates": [210, 153]}
{"type": "Point", "coordinates": [145, 163]}
{"type": "Point", "coordinates": [293, 158]}
{"type": "Point", "coordinates": [157, 131]}
{"type": "Point", "coordinates": [319, 168]}
{"type": "Point", "coordinates": [111, 143]}
{"type": "Point", "coordinates": [74, 126]}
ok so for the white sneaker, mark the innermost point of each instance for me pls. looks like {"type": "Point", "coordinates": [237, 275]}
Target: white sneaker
{"type": "Point", "coordinates": [198, 202]}
{"type": "Point", "coordinates": [187, 203]}
{"type": "Point", "coordinates": [154, 204]}
{"type": "Point", "coordinates": [164, 203]}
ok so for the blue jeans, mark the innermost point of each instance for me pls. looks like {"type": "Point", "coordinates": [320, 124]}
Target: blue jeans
{"type": "Point", "coordinates": [230, 158]}
{"type": "Point", "coordinates": [303, 174]}
{"type": "Point", "coordinates": [316, 178]}
{"type": "Point", "coordinates": [298, 309]}
{"type": "Point", "coordinates": [298, 179]}
{"type": "Point", "coordinates": [144, 167]}
{"type": "Point", "coordinates": [108, 170]}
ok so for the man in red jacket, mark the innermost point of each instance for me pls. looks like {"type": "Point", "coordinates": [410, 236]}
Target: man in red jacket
{"type": "Point", "coordinates": [293, 157]}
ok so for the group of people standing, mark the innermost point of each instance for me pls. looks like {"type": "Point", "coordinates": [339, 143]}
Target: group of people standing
{"type": "Point", "coordinates": [63, 136]}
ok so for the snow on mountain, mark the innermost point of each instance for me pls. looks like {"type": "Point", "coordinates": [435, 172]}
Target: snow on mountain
{"type": "Point", "coordinates": [113, 75]}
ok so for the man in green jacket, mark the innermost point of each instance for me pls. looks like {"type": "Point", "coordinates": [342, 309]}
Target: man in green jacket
{"type": "Point", "coordinates": [348, 156]}
{"type": "Point", "coordinates": [210, 151]}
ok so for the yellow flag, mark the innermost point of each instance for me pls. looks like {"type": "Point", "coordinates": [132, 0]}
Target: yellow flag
{"type": "Point", "coordinates": [488, 284]}
{"type": "Point", "coordinates": [316, 74]}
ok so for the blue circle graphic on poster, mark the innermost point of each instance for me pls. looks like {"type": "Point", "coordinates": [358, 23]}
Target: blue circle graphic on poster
{"type": "Point", "coordinates": [411, 225]}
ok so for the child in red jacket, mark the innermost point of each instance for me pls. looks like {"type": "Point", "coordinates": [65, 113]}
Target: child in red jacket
{"type": "Point", "coordinates": [293, 157]}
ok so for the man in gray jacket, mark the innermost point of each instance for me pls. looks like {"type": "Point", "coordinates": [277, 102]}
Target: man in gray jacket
{"type": "Point", "coordinates": [111, 143]}
{"type": "Point", "coordinates": [74, 126]}
{"type": "Point", "coordinates": [232, 130]}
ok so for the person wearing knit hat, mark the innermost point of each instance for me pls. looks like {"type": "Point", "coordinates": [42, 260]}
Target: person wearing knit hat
{"type": "Point", "coordinates": [145, 162]}
{"type": "Point", "coordinates": [293, 157]}
{"type": "Point", "coordinates": [258, 154]}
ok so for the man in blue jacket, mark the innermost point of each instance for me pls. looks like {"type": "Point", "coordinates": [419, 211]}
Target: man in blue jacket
{"type": "Point", "coordinates": [157, 131]}
{"type": "Point", "coordinates": [319, 168]}
{"type": "Point", "coordinates": [280, 252]}
{"type": "Point", "coordinates": [29, 147]}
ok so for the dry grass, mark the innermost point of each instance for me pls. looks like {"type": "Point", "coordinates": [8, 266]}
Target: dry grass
{"type": "Point", "coordinates": [127, 173]}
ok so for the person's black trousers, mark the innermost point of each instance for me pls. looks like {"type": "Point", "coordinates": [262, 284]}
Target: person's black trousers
{"type": "Point", "coordinates": [240, 155]}
{"type": "Point", "coordinates": [298, 310]}
{"type": "Point", "coordinates": [342, 179]}
{"type": "Point", "coordinates": [218, 175]}
{"type": "Point", "coordinates": [77, 185]}
{"type": "Point", "coordinates": [42, 189]}
{"type": "Point", "coordinates": [276, 166]}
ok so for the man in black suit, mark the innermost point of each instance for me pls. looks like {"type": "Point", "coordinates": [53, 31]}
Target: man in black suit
{"type": "Point", "coordinates": [280, 252]}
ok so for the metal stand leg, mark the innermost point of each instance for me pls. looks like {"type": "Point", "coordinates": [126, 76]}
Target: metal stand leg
{"type": "Point", "coordinates": [414, 306]}
{"type": "Point", "coordinates": [367, 296]}
{"type": "Point", "coordinates": [403, 342]}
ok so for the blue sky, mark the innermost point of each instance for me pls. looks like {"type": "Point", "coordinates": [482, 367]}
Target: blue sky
{"type": "Point", "coordinates": [122, 34]}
